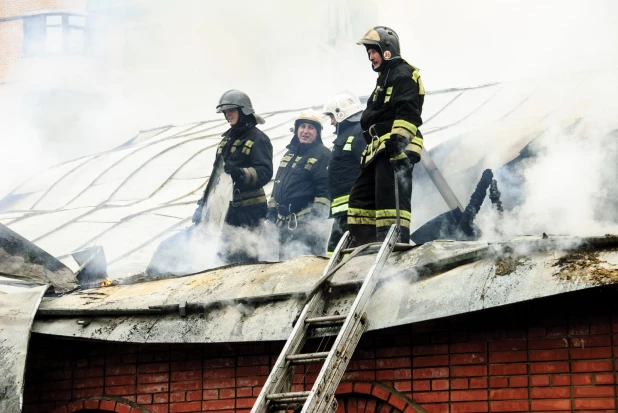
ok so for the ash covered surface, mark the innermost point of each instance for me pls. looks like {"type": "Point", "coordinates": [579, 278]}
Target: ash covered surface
{"type": "Point", "coordinates": [587, 266]}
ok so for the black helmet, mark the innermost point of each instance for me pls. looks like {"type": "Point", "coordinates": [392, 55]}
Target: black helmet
{"type": "Point", "coordinates": [385, 39]}
{"type": "Point", "coordinates": [240, 100]}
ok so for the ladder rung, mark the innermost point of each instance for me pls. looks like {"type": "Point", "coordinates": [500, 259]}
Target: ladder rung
{"type": "Point", "coordinates": [298, 396]}
{"type": "Point", "coordinates": [307, 358]}
{"type": "Point", "coordinates": [328, 319]}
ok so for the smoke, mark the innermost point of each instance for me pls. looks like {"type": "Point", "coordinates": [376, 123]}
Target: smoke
{"type": "Point", "coordinates": [567, 186]}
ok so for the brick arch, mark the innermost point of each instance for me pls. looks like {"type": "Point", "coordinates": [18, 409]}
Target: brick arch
{"type": "Point", "coordinates": [102, 404]}
{"type": "Point", "coordinates": [365, 397]}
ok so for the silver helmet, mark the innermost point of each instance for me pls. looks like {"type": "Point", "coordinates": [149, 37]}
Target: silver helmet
{"type": "Point", "coordinates": [235, 99]}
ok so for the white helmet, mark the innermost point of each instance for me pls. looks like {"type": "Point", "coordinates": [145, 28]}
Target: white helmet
{"type": "Point", "coordinates": [342, 106]}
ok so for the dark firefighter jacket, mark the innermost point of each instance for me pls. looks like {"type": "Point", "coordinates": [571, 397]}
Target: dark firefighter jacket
{"type": "Point", "coordinates": [301, 184]}
{"type": "Point", "coordinates": [250, 149]}
{"type": "Point", "coordinates": [394, 107]}
{"type": "Point", "coordinates": [344, 165]}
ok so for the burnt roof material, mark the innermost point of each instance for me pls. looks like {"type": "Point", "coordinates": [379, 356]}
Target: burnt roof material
{"type": "Point", "coordinates": [259, 302]}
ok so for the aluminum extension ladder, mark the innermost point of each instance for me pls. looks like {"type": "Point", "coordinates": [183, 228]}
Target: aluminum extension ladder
{"type": "Point", "coordinates": [276, 395]}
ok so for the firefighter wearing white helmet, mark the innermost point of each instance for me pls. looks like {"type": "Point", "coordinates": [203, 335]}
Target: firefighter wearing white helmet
{"type": "Point", "coordinates": [300, 201]}
{"type": "Point", "coordinates": [390, 121]}
{"type": "Point", "coordinates": [248, 158]}
{"type": "Point", "coordinates": [344, 110]}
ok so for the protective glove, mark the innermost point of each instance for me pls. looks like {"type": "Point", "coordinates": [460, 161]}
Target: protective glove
{"type": "Point", "coordinates": [271, 215]}
{"type": "Point", "coordinates": [395, 145]}
{"type": "Point", "coordinates": [235, 172]}
{"type": "Point", "coordinates": [320, 211]}
{"type": "Point", "coordinates": [197, 215]}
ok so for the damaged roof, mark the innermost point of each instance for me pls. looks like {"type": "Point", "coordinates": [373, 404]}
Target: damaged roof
{"type": "Point", "coordinates": [260, 301]}
{"type": "Point", "coordinates": [130, 198]}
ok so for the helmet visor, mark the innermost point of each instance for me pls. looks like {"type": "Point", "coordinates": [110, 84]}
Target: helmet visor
{"type": "Point", "coordinates": [226, 106]}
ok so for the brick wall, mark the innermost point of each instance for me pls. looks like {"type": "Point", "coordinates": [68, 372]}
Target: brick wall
{"type": "Point", "coordinates": [11, 39]}
{"type": "Point", "coordinates": [542, 356]}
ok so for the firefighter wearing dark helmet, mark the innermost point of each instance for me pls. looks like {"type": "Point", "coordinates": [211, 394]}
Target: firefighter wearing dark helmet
{"type": "Point", "coordinates": [390, 123]}
{"type": "Point", "coordinates": [248, 159]}
{"type": "Point", "coordinates": [300, 201]}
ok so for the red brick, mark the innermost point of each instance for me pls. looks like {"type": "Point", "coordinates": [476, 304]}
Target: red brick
{"type": "Point", "coordinates": [509, 406]}
{"type": "Point", "coordinates": [478, 383]}
{"type": "Point", "coordinates": [252, 360]}
{"type": "Point", "coordinates": [153, 378]}
{"type": "Point", "coordinates": [469, 347]}
{"type": "Point", "coordinates": [508, 356]}
{"type": "Point", "coordinates": [496, 382]}
{"type": "Point", "coordinates": [108, 405]}
{"type": "Point", "coordinates": [550, 393]}
{"type": "Point", "coordinates": [591, 366]}
{"type": "Point", "coordinates": [549, 367]}
{"type": "Point", "coordinates": [247, 391]}
{"type": "Point", "coordinates": [153, 368]}
{"type": "Point", "coordinates": [380, 393]}
{"type": "Point", "coordinates": [579, 330]}
{"type": "Point", "coordinates": [459, 384]}
{"type": "Point", "coordinates": [119, 380]}
{"type": "Point", "coordinates": [537, 332]}
{"type": "Point", "coordinates": [594, 404]}
{"type": "Point", "coordinates": [161, 398]}
{"type": "Point", "coordinates": [507, 345]}
{"type": "Point", "coordinates": [549, 405]}
{"type": "Point", "coordinates": [508, 394]}
{"type": "Point", "coordinates": [397, 402]}
{"type": "Point", "coordinates": [538, 381]}
{"type": "Point", "coordinates": [603, 379]}
{"type": "Point", "coordinates": [245, 403]}
{"type": "Point", "coordinates": [547, 343]}
{"type": "Point", "coordinates": [439, 385]}
{"type": "Point", "coordinates": [431, 397]}
{"type": "Point", "coordinates": [91, 404]}
{"type": "Point", "coordinates": [382, 375]}
{"type": "Point", "coordinates": [591, 353]}
{"type": "Point", "coordinates": [219, 373]}
{"type": "Point", "coordinates": [549, 355]}
{"type": "Point", "coordinates": [224, 383]}
{"type": "Point", "coordinates": [507, 369]}
{"type": "Point", "coordinates": [158, 408]}
{"type": "Point", "coordinates": [469, 407]}
{"type": "Point", "coordinates": [120, 370]}
{"type": "Point", "coordinates": [153, 388]}
{"type": "Point", "coordinates": [470, 358]}
{"type": "Point", "coordinates": [186, 407]}
{"type": "Point", "coordinates": [75, 406]}
{"type": "Point", "coordinates": [421, 385]}
{"type": "Point", "coordinates": [394, 363]}
{"type": "Point", "coordinates": [581, 379]}
{"type": "Point", "coordinates": [468, 371]}
{"type": "Point", "coordinates": [252, 371]}
{"type": "Point", "coordinates": [210, 394]}
{"type": "Point", "coordinates": [587, 342]}
{"type": "Point", "coordinates": [519, 381]}
{"type": "Point", "coordinates": [144, 398]}
{"type": "Point", "coordinates": [219, 362]}
{"type": "Point", "coordinates": [402, 386]}
{"type": "Point", "coordinates": [430, 361]}
{"type": "Point", "coordinates": [468, 395]}
{"type": "Point", "coordinates": [392, 352]}
{"type": "Point", "coordinates": [600, 328]}
{"type": "Point", "coordinates": [597, 391]}
{"type": "Point", "coordinates": [561, 380]}
{"type": "Point", "coordinates": [120, 390]}
{"type": "Point", "coordinates": [122, 408]}
{"type": "Point", "coordinates": [430, 373]}
{"type": "Point", "coordinates": [430, 350]}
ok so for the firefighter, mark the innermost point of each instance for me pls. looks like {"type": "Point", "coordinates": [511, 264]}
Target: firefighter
{"type": "Point", "coordinates": [248, 159]}
{"type": "Point", "coordinates": [300, 203]}
{"type": "Point", "coordinates": [390, 121]}
{"type": "Point", "coordinates": [344, 110]}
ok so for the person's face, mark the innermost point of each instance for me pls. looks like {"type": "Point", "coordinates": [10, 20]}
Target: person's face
{"type": "Point", "coordinates": [333, 122]}
{"type": "Point", "coordinates": [231, 115]}
{"type": "Point", "coordinates": [375, 58]}
{"type": "Point", "coordinates": [307, 133]}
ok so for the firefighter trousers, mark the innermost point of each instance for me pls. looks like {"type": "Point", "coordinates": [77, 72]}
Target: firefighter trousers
{"type": "Point", "coordinates": [239, 243]}
{"type": "Point", "coordinates": [340, 226]}
{"type": "Point", "coordinates": [372, 208]}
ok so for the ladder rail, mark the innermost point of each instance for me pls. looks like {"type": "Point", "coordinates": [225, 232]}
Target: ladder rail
{"type": "Point", "coordinates": [327, 381]}
{"type": "Point", "coordinates": [274, 383]}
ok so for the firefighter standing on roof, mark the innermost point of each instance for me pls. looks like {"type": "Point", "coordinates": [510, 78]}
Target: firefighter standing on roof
{"type": "Point", "coordinates": [344, 110]}
{"type": "Point", "coordinates": [300, 199]}
{"type": "Point", "coordinates": [248, 157]}
{"type": "Point", "coordinates": [394, 143]}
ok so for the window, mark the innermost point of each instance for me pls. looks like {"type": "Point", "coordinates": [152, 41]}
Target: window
{"type": "Point", "coordinates": [56, 34]}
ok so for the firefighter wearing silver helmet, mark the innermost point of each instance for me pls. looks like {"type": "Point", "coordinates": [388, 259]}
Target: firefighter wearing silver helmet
{"type": "Point", "coordinates": [300, 201]}
{"type": "Point", "coordinates": [248, 159]}
{"type": "Point", "coordinates": [344, 110]}
{"type": "Point", "coordinates": [390, 121]}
